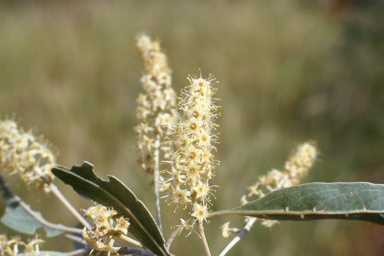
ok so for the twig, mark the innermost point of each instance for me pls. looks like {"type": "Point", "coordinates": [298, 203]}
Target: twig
{"type": "Point", "coordinates": [244, 231]}
{"type": "Point", "coordinates": [67, 204]}
{"type": "Point", "coordinates": [156, 175]}
{"type": "Point", "coordinates": [10, 193]}
{"type": "Point", "coordinates": [130, 240]}
{"type": "Point", "coordinates": [76, 252]}
{"type": "Point", "coordinates": [203, 239]}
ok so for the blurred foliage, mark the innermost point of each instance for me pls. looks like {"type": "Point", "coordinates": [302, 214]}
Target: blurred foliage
{"type": "Point", "coordinates": [288, 70]}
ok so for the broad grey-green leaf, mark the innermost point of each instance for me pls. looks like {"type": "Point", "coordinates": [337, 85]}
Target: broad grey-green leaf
{"type": "Point", "coordinates": [115, 194]}
{"type": "Point", "coordinates": [313, 201]}
{"type": "Point", "coordinates": [17, 218]}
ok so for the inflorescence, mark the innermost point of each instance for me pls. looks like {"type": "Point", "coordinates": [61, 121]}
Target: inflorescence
{"type": "Point", "coordinates": [101, 236]}
{"type": "Point", "coordinates": [156, 107]}
{"type": "Point", "coordinates": [25, 154]}
{"type": "Point", "coordinates": [190, 148]}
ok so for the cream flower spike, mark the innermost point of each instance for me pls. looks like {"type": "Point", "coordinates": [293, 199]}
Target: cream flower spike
{"type": "Point", "coordinates": [25, 154]}
{"type": "Point", "coordinates": [190, 147]}
{"type": "Point", "coordinates": [296, 167]}
{"type": "Point", "coordinates": [156, 105]}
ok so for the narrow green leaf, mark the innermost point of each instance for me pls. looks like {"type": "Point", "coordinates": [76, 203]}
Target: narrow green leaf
{"type": "Point", "coordinates": [115, 194]}
{"type": "Point", "coordinates": [313, 201]}
{"type": "Point", "coordinates": [17, 218]}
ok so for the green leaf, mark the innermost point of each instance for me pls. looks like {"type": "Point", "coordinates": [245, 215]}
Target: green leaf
{"type": "Point", "coordinates": [17, 218]}
{"type": "Point", "coordinates": [115, 194]}
{"type": "Point", "coordinates": [313, 201]}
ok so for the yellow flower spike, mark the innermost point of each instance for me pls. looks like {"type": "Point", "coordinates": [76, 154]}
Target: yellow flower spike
{"type": "Point", "coordinates": [25, 154]}
{"type": "Point", "coordinates": [190, 146]}
{"type": "Point", "coordinates": [155, 106]}
{"type": "Point", "coordinates": [296, 167]}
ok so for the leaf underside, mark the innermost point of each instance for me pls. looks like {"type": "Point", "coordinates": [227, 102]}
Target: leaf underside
{"type": "Point", "coordinates": [17, 218]}
{"type": "Point", "coordinates": [314, 201]}
{"type": "Point", "coordinates": [114, 193]}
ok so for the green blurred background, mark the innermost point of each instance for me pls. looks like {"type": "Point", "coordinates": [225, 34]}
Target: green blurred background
{"type": "Point", "coordinates": [289, 71]}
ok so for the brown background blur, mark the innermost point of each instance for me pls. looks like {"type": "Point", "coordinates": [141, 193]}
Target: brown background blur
{"type": "Point", "coordinates": [289, 71]}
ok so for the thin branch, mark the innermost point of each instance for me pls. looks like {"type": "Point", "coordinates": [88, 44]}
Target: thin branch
{"type": "Point", "coordinates": [27, 208]}
{"type": "Point", "coordinates": [156, 176]}
{"type": "Point", "coordinates": [244, 231]}
{"type": "Point", "coordinates": [130, 240]}
{"type": "Point", "coordinates": [203, 239]}
{"type": "Point", "coordinates": [67, 204]}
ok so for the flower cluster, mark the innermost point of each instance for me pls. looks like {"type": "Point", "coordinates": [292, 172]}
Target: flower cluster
{"type": "Point", "coordinates": [190, 147]}
{"type": "Point", "coordinates": [26, 155]}
{"type": "Point", "coordinates": [11, 247]}
{"type": "Point", "coordinates": [156, 106]}
{"type": "Point", "coordinates": [101, 236]}
{"type": "Point", "coordinates": [295, 168]}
